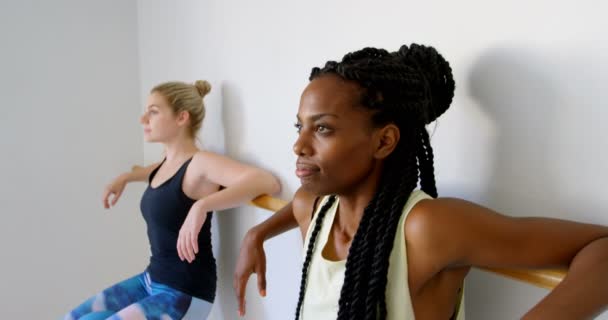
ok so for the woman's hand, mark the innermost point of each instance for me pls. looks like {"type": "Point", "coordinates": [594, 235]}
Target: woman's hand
{"type": "Point", "coordinates": [114, 190]}
{"type": "Point", "coordinates": [252, 259]}
{"type": "Point", "coordinates": [187, 241]}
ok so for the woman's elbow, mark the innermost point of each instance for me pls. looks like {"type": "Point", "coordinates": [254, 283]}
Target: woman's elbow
{"type": "Point", "coordinates": [274, 185]}
{"type": "Point", "coordinates": [264, 182]}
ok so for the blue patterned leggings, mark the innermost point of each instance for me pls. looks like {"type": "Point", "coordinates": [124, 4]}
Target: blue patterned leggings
{"type": "Point", "coordinates": [140, 298]}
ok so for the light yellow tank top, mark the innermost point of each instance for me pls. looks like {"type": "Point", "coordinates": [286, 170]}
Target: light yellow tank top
{"type": "Point", "coordinates": [325, 277]}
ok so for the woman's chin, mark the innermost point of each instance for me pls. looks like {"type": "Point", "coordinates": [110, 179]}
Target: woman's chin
{"type": "Point", "coordinates": [314, 188]}
{"type": "Point", "coordinates": [149, 139]}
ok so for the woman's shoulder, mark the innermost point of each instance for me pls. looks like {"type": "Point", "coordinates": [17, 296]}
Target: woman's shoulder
{"type": "Point", "coordinates": [434, 221]}
{"type": "Point", "coordinates": [440, 210]}
{"type": "Point", "coordinates": [203, 164]}
{"type": "Point", "coordinates": [202, 155]}
{"type": "Point", "coordinates": [442, 225]}
{"type": "Point", "coordinates": [303, 204]}
{"type": "Point", "coordinates": [205, 160]}
{"type": "Point", "coordinates": [226, 171]}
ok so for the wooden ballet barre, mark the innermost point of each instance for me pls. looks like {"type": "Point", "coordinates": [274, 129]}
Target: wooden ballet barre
{"type": "Point", "coordinates": [544, 278]}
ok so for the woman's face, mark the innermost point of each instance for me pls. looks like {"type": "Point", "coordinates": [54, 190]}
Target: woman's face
{"type": "Point", "coordinates": [159, 121]}
{"type": "Point", "coordinates": [335, 145]}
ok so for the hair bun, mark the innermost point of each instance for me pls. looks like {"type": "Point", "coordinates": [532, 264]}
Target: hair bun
{"type": "Point", "coordinates": [203, 87]}
{"type": "Point", "coordinates": [437, 74]}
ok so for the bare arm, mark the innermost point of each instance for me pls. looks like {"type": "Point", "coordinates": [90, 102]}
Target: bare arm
{"type": "Point", "coordinates": [113, 191]}
{"type": "Point", "coordinates": [252, 258]}
{"type": "Point", "coordinates": [139, 173]}
{"type": "Point", "coordinates": [297, 213]}
{"type": "Point", "coordinates": [280, 222]}
{"type": "Point", "coordinates": [450, 233]}
{"type": "Point", "coordinates": [585, 287]}
{"type": "Point", "coordinates": [241, 182]}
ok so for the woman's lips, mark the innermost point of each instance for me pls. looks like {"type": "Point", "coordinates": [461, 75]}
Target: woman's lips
{"type": "Point", "coordinates": [305, 170]}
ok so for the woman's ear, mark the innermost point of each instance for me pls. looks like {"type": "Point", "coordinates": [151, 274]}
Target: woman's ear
{"type": "Point", "coordinates": [183, 118]}
{"type": "Point", "coordinates": [386, 139]}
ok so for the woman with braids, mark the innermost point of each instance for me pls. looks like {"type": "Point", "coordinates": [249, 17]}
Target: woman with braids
{"type": "Point", "coordinates": [183, 191]}
{"type": "Point", "coordinates": [379, 243]}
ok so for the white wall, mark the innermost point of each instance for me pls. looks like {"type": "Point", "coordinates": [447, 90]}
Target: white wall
{"type": "Point", "coordinates": [524, 134]}
{"type": "Point", "coordinates": [68, 124]}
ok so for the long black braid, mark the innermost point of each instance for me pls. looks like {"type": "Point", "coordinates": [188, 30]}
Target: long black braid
{"type": "Point", "coordinates": [311, 247]}
{"type": "Point", "coordinates": [410, 88]}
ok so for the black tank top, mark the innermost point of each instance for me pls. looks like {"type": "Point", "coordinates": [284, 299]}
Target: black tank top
{"type": "Point", "coordinates": [165, 208]}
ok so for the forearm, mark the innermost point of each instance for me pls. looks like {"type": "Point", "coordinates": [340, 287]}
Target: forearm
{"type": "Point", "coordinates": [139, 173]}
{"type": "Point", "coordinates": [264, 182]}
{"type": "Point", "coordinates": [583, 294]}
{"type": "Point", "coordinates": [247, 188]}
{"type": "Point", "coordinates": [280, 222]}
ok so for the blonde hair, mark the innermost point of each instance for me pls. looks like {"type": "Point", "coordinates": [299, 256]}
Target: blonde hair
{"type": "Point", "coordinates": [183, 96]}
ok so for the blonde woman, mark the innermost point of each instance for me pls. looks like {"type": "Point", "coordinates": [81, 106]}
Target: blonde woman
{"type": "Point", "coordinates": [183, 190]}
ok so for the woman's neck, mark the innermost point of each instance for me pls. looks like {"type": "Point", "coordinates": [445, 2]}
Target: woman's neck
{"type": "Point", "coordinates": [353, 203]}
{"type": "Point", "coordinates": [180, 150]}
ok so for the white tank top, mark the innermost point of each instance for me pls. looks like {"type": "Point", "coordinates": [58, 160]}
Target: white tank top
{"type": "Point", "coordinates": [325, 277]}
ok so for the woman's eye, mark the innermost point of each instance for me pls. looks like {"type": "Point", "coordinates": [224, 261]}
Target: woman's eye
{"type": "Point", "coordinates": [298, 127]}
{"type": "Point", "coordinates": [322, 129]}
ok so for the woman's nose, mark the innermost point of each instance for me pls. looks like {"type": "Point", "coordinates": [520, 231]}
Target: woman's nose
{"type": "Point", "coordinates": [302, 146]}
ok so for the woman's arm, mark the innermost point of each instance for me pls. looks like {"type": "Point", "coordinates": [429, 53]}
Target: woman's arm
{"type": "Point", "coordinates": [280, 222]}
{"type": "Point", "coordinates": [241, 182]}
{"type": "Point", "coordinates": [449, 233]}
{"type": "Point", "coordinates": [139, 173]}
{"type": "Point", "coordinates": [115, 188]}
{"type": "Point", "coordinates": [585, 287]}
{"type": "Point", "coordinates": [252, 258]}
